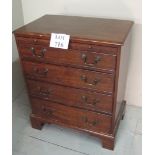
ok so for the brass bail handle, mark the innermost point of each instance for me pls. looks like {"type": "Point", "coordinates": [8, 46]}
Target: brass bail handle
{"type": "Point", "coordinates": [40, 71]}
{"type": "Point", "coordinates": [85, 79]}
{"type": "Point", "coordinates": [42, 52]}
{"type": "Point", "coordinates": [44, 92]}
{"type": "Point", "coordinates": [85, 99]}
{"type": "Point", "coordinates": [84, 58]}
{"type": "Point", "coordinates": [90, 123]}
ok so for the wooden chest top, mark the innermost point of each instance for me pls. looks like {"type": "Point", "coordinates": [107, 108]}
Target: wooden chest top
{"type": "Point", "coordinates": [109, 31]}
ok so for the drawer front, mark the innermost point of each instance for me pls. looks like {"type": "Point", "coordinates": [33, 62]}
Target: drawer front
{"type": "Point", "coordinates": [83, 58]}
{"type": "Point", "coordinates": [96, 48]}
{"type": "Point", "coordinates": [67, 76]}
{"type": "Point", "coordinates": [72, 45]}
{"type": "Point", "coordinates": [78, 98]}
{"type": "Point", "coordinates": [71, 116]}
{"type": "Point", "coordinates": [32, 41]}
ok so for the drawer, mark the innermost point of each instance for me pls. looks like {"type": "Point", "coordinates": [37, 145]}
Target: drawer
{"type": "Point", "coordinates": [83, 58]}
{"type": "Point", "coordinates": [32, 41]}
{"type": "Point", "coordinates": [78, 98]}
{"type": "Point", "coordinates": [93, 48]}
{"type": "Point", "coordinates": [71, 116]}
{"type": "Point", "coordinates": [72, 45]}
{"type": "Point", "coordinates": [67, 76]}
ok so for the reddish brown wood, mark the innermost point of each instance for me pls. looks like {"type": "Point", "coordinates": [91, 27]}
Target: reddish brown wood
{"type": "Point", "coordinates": [67, 76]}
{"type": "Point", "coordinates": [32, 41]}
{"type": "Point", "coordinates": [107, 49]}
{"type": "Point", "coordinates": [121, 76]}
{"type": "Point", "coordinates": [107, 58]}
{"type": "Point", "coordinates": [110, 31]}
{"type": "Point", "coordinates": [108, 142]}
{"type": "Point", "coordinates": [79, 98]}
{"type": "Point", "coordinates": [63, 86]}
{"type": "Point", "coordinates": [37, 124]}
{"type": "Point", "coordinates": [72, 116]}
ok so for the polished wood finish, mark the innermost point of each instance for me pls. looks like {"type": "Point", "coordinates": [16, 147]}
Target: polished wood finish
{"type": "Point", "coordinates": [72, 116]}
{"type": "Point", "coordinates": [110, 31]}
{"type": "Point", "coordinates": [79, 98]}
{"type": "Point", "coordinates": [75, 58]}
{"type": "Point", "coordinates": [83, 86]}
{"type": "Point", "coordinates": [73, 45]}
{"type": "Point", "coordinates": [122, 75]}
{"type": "Point", "coordinates": [101, 82]}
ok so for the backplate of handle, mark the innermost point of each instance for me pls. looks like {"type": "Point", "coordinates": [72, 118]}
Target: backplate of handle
{"type": "Point", "coordinates": [96, 60]}
{"type": "Point", "coordinates": [40, 71]}
{"type": "Point", "coordinates": [85, 79]}
{"type": "Point", "coordinates": [40, 55]}
{"type": "Point", "coordinates": [85, 99]}
{"type": "Point", "coordinates": [44, 92]}
{"type": "Point", "coordinates": [48, 112]}
{"type": "Point", "coordinates": [33, 51]}
{"type": "Point", "coordinates": [90, 123]}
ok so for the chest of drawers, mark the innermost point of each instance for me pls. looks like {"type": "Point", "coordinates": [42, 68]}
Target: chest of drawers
{"type": "Point", "coordinates": [81, 87]}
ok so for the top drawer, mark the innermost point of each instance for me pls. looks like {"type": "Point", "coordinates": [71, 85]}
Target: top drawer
{"type": "Point", "coordinates": [34, 41]}
{"type": "Point", "coordinates": [72, 45]}
{"type": "Point", "coordinates": [80, 55]}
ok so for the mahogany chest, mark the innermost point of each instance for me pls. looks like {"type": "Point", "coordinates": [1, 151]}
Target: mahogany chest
{"type": "Point", "coordinates": [81, 87]}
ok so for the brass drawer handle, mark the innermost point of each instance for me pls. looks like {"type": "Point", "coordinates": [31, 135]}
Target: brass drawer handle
{"type": "Point", "coordinates": [44, 92]}
{"type": "Point", "coordinates": [42, 52]}
{"type": "Point", "coordinates": [93, 123]}
{"type": "Point", "coordinates": [95, 101]}
{"type": "Point", "coordinates": [41, 72]}
{"type": "Point", "coordinates": [84, 58]}
{"type": "Point", "coordinates": [85, 99]}
{"type": "Point", "coordinates": [85, 79]}
{"type": "Point", "coordinates": [47, 112]}
{"type": "Point", "coordinates": [33, 51]}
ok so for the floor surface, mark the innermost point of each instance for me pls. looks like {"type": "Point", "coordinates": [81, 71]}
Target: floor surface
{"type": "Point", "coordinates": [56, 140]}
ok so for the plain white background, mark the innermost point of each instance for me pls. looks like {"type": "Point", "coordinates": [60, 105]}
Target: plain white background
{"type": "Point", "coordinates": [121, 9]}
{"type": "Point", "coordinates": [148, 77]}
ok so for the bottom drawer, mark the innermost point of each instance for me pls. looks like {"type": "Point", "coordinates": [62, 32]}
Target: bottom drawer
{"type": "Point", "coordinates": [72, 116]}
